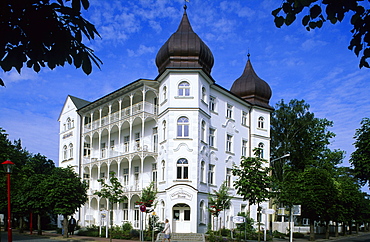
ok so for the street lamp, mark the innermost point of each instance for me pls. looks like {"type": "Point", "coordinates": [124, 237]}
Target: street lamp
{"type": "Point", "coordinates": [8, 168]}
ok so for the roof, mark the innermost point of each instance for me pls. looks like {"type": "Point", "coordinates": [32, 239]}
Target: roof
{"type": "Point", "coordinates": [252, 88]}
{"type": "Point", "coordinates": [78, 102]}
{"type": "Point", "coordinates": [184, 50]}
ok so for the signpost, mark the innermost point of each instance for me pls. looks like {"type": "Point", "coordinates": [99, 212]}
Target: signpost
{"type": "Point", "coordinates": [143, 210]}
{"type": "Point", "coordinates": [266, 212]}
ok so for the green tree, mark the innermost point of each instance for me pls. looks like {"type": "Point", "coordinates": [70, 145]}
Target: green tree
{"type": "Point", "coordinates": [296, 131]}
{"type": "Point", "coordinates": [318, 12]}
{"type": "Point", "coordinates": [30, 196]}
{"type": "Point", "coordinates": [312, 188]}
{"type": "Point", "coordinates": [64, 193]}
{"type": "Point", "coordinates": [254, 181]}
{"type": "Point", "coordinates": [113, 192]}
{"type": "Point", "coordinates": [360, 158]}
{"type": "Point", "coordinates": [219, 200]}
{"type": "Point", "coordinates": [148, 197]}
{"type": "Point", "coordinates": [45, 33]}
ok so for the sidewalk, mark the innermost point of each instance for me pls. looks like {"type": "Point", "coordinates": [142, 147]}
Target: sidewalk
{"type": "Point", "coordinates": [76, 238]}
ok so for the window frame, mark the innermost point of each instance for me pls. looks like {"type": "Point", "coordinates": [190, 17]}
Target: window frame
{"type": "Point", "coordinates": [183, 127]}
{"type": "Point", "coordinates": [182, 169]}
{"type": "Point", "coordinates": [229, 111]}
{"type": "Point", "coordinates": [183, 89]}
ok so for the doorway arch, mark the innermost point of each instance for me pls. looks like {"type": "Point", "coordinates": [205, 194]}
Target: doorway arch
{"type": "Point", "coordinates": [181, 218]}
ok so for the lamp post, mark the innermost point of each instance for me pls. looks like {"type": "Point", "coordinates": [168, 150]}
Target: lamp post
{"type": "Point", "coordinates": [8, 168]}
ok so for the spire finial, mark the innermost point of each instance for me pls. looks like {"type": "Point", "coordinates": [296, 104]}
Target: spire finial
{"type": "Point", "coordinates": [249, 55]}
{"type": "Point", "coordinates": [185, 6]}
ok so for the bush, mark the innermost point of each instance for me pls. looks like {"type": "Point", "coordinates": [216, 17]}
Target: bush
{"type": "Point", "coordinates": [298, 235]}
{"type": "Point", "coordinates": [278, 235]}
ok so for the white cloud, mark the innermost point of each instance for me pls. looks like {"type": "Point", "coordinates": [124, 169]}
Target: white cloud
{"type": "Point", "coordinates": [141, 51]}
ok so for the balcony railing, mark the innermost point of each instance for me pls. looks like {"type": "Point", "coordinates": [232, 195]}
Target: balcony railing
{"type": "Point", "coordinates": [125, 113]}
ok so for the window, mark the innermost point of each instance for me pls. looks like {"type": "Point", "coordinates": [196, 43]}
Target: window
{"type": "Point", "coordinates": [229, 142]}
{"type": "Point", "coordinates": [202, 171]}
{"type": "Point", "coordinates": [155, 139]}
{"type": "Point", "coordinates": [125, 211]}
{"type": "Point", "coordinates": [69, 123]}
{"type": "Point", "coordinates": [203, 132]}
{"type": "Point", "coordinates": [201, 212]}
{"type": "Point", "coordinates": [154, 175]}
{"type": "Point", "coordinates": [184, 89]}
{"type": "Point", "coordinates": [203, 94]}
{"type": "Point", "coordinates": [183, 127]}
{"type": "Point", "coordinates": [87, 149]}
{"type": "Point", "coordinates": [211, 174]}
{"type": "Point", "coordinates": [125, 176]}
{"type": "Point", "coordinates": [137, 140]}
{"type": "Point", "coordinates": [228, 177]}
{"type": "Point", "coordinates": [126, 143]}
{"type": "Point", "coordinates": [164, 93]}
{"type": "Point", "coordinates": [163, 210]}
{"type": "Point", "coordinates": [182, 169]}
{"type": "Point", "coordinates": [244, 147]}
{"type": "Point", "coordinates": [261, 122]}
{"type": "Point", "coordinates": [212, 137]}
{"type": "Point", "coordinates": [212, 104]}
{"type": "Point", "coordinates": [244, 118]}
{"type": "Point", "coordinates": [229, 111]}
{"type": "Point", "coordinates": [261, 145]}
{"type": "Point", "coordinates": [164, 129]}
{"type": "Point", "coordinates": [65, 152]}
{"type": "Point", "coordinates": [136, 178]}
{"type": "Point", "coordinates": [163, 169]}
{"type": "Point", "coordinates": [71, 150]}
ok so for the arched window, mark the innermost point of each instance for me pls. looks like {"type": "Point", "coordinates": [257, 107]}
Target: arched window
{"type": "Point", "coordinates": [182, 169]}
{"type": "Point", "coordinates": [164, 93]}
{"type": "Point", "coordinates": [184, 89]}
{"type": "Point", "coordinates": [261, 122]}
{"type": "Point", "coordinates": [201, 212]}
{"type": "Point", "coordinates": [204, 94]}
{"type": "Point", "coordinates": [163, 207]}
{"type": "Point", "coordinates": [69, 123]}
{"type": "Point", "coordinates": [164, 126]}
{"type": "Point", "coordinates": [70, 150]}
{"type": "Point", "coordinates": [202, 171]}
{"type": "Point", "coordinates": [203, 132]}
{"type": "Point", "coordinates": [261, 146]}
{"type": "Point", "coordinates": [183, 127]}
{"type": "Point", "coordinates": [65, 152]}
{"type": "Point", "coordinates": [163, 169]}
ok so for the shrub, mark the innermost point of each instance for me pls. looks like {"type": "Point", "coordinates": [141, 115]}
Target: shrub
{"type": "Point", "coordinates": [298, 235]}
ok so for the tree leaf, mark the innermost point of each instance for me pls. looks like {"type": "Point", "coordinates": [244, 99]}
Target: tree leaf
{"type": "Point", "coordinates": [275, 12]}
{"type": "Point", "coordinates": [315, 11]}
{"type": "Point", "coordinates": [305, 20]}
{"type": "Point", "coordinates": [279, 21]}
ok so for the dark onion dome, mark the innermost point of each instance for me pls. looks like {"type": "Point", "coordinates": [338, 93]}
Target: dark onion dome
{"type": "Point", "coordinates": [252, 88]}
{"type": "Point", "coordinates": [184, 50]}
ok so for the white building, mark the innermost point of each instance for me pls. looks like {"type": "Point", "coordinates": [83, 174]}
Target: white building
{"type": "Point", "coordinates": [180, 130]}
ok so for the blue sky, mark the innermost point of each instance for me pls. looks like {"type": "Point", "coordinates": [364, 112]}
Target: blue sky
{"type": "Point", "coordinates": [315, 66]}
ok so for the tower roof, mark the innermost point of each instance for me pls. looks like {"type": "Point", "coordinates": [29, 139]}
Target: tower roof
{"type": "Point", "coordinates": [184, 50]}
{"type": "Point", "coordinates": [252, 88]}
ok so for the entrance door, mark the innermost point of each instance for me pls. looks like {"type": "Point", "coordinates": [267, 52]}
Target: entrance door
{"type": "Point", "coordinates": [181, 218]}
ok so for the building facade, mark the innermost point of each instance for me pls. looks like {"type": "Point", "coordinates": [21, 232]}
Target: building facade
{"type": "Point", "coordinates": [181, 131]}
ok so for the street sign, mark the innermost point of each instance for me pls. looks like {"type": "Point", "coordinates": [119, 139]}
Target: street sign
{"type": "Point", "coordinates": [269, 211]}
{"type": "Point", "coordinates": [238, 219]}
{"type": "Point", "coordinates": [143, 208]}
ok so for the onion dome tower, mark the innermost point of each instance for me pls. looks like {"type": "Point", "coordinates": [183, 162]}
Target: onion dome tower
{"type": "Point", "coordinates": [252, 88]}
{"type": "Point", "coordinates": [184, 50]}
